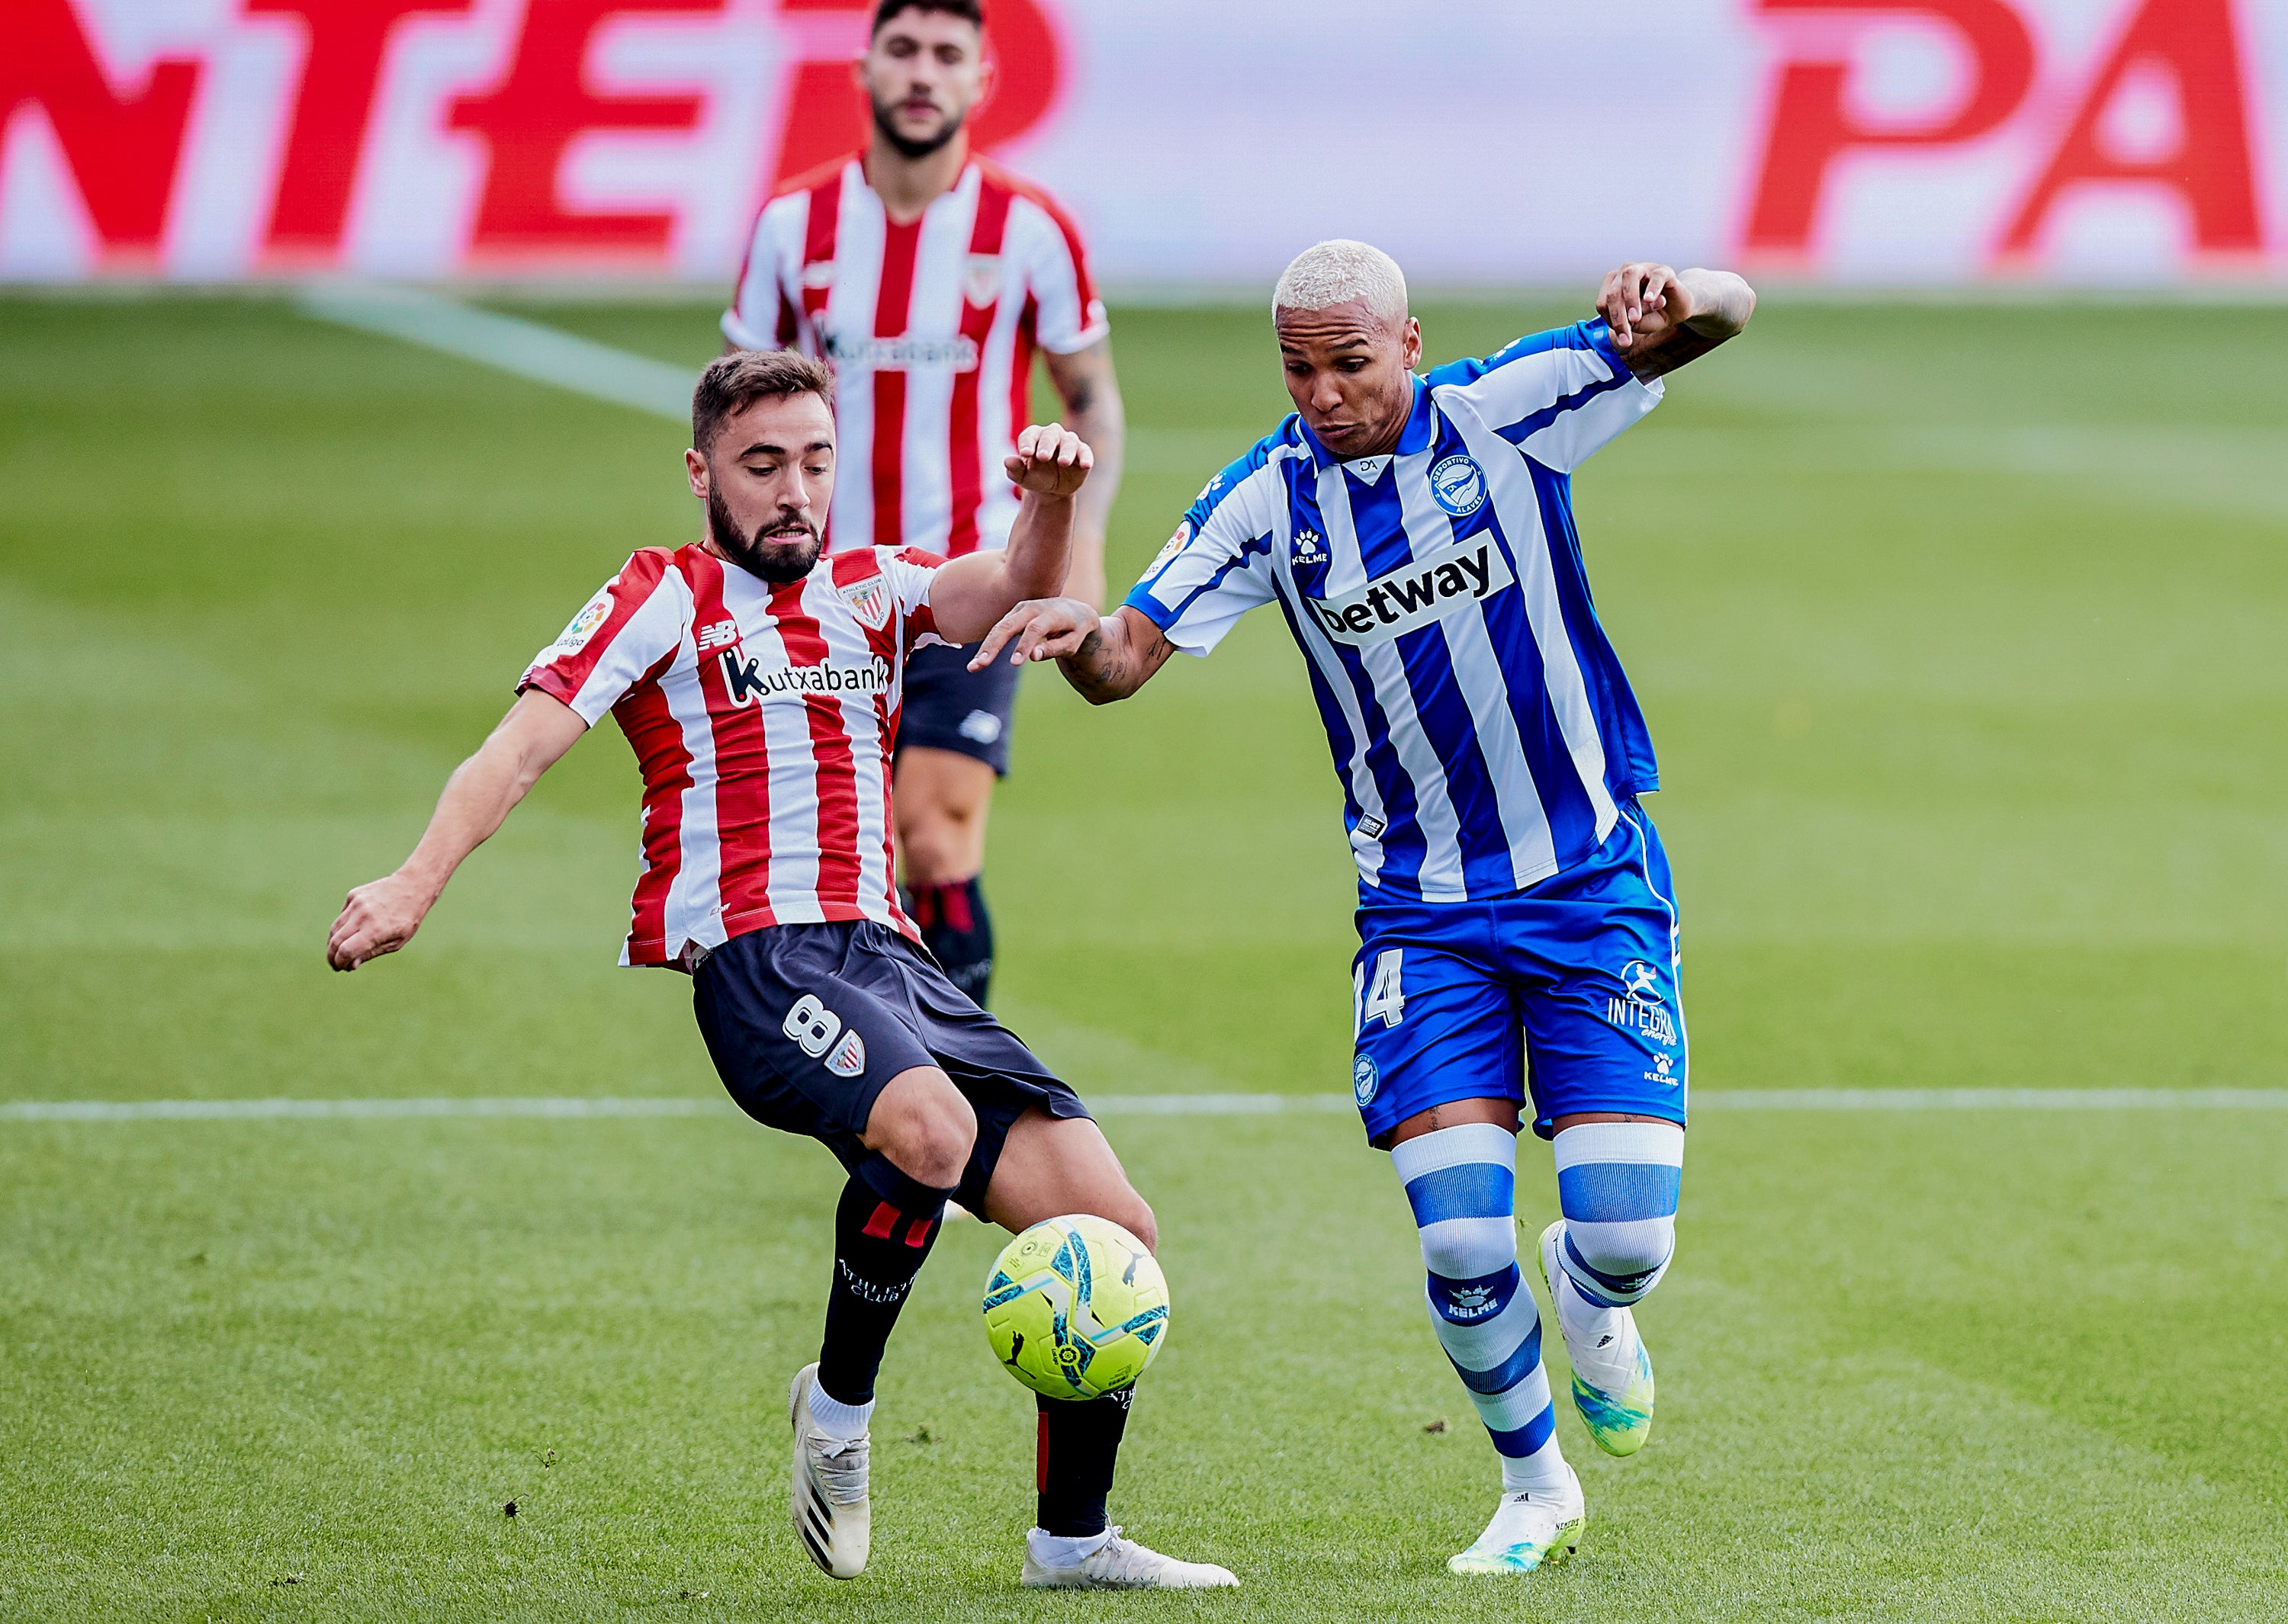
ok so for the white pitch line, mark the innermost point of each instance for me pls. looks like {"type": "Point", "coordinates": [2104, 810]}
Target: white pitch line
{"type": "Point", "coordinates": [1992, 1099]}
{"type": "Point", "coordinates": [279, 1110]}
{"type": "Point", "coordinates": [545, 355]}
{"type": "Point", "coordinates": [1132, 1104]}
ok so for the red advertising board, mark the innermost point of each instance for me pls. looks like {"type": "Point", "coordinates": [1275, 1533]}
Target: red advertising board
{"type": "Point", "coordinates": [1870, 139]}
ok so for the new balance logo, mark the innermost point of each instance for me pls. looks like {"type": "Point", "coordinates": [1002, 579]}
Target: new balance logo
{"type": "Point", "coordinates": [722, 634]}
{"type": "Point", "coordinates": [1427, 590]}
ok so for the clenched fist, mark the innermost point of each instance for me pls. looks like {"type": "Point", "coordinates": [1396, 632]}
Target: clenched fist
{"type": "Point", "coordinates": [1642, 300]}
{"type": "Point", "coordinates": [1050, 460]}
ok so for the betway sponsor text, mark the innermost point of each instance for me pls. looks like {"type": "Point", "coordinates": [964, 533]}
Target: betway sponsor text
{"type": "Point", "coordinates": [1415, 594]}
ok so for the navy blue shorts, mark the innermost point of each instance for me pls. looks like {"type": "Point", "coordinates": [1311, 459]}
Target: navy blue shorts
{"type": "Point", "coordinates": [807, 1022]}
{"type": "Point", "coordinates": [1567, 989]}
{"type": "Point", "coordinates": [948, 707]}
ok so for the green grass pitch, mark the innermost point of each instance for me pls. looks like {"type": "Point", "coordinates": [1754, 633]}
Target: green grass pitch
{"type": "Point", "coordinates": [1960, 630]}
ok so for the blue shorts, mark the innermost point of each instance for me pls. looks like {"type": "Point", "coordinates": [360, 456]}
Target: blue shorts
{"type": "Point", "coordinates": [948, 707]}
{"type": "Point", "coordinates": [1569, 988]}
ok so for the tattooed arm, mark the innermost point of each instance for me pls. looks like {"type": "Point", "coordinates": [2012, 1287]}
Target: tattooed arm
{"type": "Point", "coordinates": [1105, 658]}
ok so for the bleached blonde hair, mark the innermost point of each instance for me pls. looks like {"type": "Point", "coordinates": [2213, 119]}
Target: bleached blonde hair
{"type": "Point", "coordinates": [1338, 271]}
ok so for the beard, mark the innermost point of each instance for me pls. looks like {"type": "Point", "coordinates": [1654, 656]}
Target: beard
{"type": "Point", "coordinates": [783, 554]}
{"type": "Point", "coordinates": [907, 148]}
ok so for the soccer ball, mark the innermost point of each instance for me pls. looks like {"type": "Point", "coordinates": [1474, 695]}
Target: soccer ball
{"type": "Point", "coordinates": [1075, 1307]}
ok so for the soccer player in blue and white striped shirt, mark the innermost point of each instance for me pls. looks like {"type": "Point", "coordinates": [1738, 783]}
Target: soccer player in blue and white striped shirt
{"type": "Point", "coordinates": [1517, 923]}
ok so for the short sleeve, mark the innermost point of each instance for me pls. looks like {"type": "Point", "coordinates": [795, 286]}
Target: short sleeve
{"type": "Point", "coordinates": [639, 619]}
{"type": "Point", "coordinates": [1067, 314]}
{"type": "Point", "coordinates": [1560, 396]}
{"type": "Point", "coordinates": [761, 315]}
{"type": "Point", "coordinates": [911, 572]}
{"type": "Point", "coordinates": [1217, 567]}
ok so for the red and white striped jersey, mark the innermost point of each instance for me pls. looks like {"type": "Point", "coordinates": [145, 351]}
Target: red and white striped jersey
{"type": "Point", "coordinates": [763, 718]}
{"type": "Point", "coordinates": [930, 328]}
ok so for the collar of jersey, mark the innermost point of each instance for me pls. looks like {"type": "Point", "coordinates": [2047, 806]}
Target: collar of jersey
{"type": "Point", "coordinates": [1419, 434]}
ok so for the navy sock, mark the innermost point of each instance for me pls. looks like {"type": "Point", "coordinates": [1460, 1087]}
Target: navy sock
{"type": "Point", "coordinates": [957, 931]}
{"type": "Point", "coordinates": [1080, 1439]}
{"type": "Point", "coordinates": [884, 1227]}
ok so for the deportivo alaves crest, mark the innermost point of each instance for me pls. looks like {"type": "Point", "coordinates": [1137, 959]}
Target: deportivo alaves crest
{"type": "Point", "coordinates": [1425, 590]}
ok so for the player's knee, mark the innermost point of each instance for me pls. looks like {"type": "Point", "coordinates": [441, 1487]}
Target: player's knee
{"type": "Point", "coordinates": [925, 1128]}
{"type": "Point", "coordinates": [1617, 1184]}
{"type": "Point", "coordinates": [1625, 1260]}
{"type": "Point", "coordinates": [939, 845]}
{"type": "Point", "coordinates": [1469, 1249]}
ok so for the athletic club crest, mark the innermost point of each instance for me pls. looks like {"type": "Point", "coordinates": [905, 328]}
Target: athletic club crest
{"type": "Point", "coordinates": [870, 601]}
{"type": "Point", "coordinates": [981, 279]}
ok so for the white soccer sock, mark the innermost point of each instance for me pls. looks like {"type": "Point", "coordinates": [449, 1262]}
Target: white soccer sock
{"type": "Point", "coordinates": [836, 1420]}
{"type": "Point", "coordinates": [1618, 1183]}
{"type": "Point", "coordinates": [1461, 1183]}
{"type": "Point", "coordinates": [1063, 1549]}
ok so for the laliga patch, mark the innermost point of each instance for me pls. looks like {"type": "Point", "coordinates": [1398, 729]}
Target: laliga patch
{"type": "Point", "coordinates": [1458, 485]}
{"type": "Point", "coordinates": [870, 601]}
{"type": "Point", "coordinates": [584, 626]}
{"type": "Point", "coordinates": [1364, 1079]}
{"type": "Point", "coordinates": [848, 1058]}
{"type": "Point", "coordinates": [1167, 555]}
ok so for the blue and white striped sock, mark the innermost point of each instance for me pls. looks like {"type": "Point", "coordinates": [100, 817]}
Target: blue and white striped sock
{"type": "Point", "coordinates": [1461, 1183]}
{"type": "Point", "coordinates": [1616, 1184]}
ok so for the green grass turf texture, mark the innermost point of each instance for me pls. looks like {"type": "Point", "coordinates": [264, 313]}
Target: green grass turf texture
{"type": "Point", "coordinates": [1960, 631]}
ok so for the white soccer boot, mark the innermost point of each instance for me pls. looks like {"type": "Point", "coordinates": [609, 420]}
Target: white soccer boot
{"type": "Point", "coordinates": [832, 1516]}
{"type": "Point", "coordinates": [1612, 1373]}
{"type": "Point", "coordinates": [1528, 1530]}
{"type": "Point", "coordinates": [1121, 1563]}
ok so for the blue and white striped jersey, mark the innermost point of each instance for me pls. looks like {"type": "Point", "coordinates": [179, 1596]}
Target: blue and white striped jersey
{"type": "Point", "coordinates": [1479, 718]}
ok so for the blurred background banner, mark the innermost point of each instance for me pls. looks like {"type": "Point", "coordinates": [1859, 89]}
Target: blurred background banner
{"type": "Point", "coordinates": [1200, 142]}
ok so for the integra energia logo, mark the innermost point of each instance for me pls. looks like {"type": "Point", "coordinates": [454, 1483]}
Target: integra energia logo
{"type": "Point", "coordinates": [745, 681]}
{"type": "Point", "coordinates": [1415, 594]}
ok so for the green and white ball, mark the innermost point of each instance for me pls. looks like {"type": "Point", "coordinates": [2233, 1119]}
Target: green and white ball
{"type": "Point", "coordinates": [1075, 1307]}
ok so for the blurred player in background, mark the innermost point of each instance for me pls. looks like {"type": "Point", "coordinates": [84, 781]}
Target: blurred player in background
{"type": "Point", "coordinates": [928, 278]}
{"type": "Point", "coordinates": [758, 684]}
{"type": "Point", "coordinates": [1514, 902]}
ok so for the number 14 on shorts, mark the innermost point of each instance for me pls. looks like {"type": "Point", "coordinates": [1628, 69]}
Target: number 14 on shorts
{"type": "Point", "coordinates": [1382, 998]}
{"type": "Point", "coordinates": [815, 1027]}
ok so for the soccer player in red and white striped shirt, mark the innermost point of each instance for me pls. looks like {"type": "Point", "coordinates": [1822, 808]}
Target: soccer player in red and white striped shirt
{"type": "Point", "coordinates": [929, 278]}
{"type": "Point", "coordinates": [761, 681]}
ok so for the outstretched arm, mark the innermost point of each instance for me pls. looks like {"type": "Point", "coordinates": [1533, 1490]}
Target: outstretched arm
{"type": "Point", "coordinates": [1091, 393]}
{"type": "Point", "coordinates": [1660, 318]}
{"type": "Point", "coordinates": [1104, 657]}
{"type": "Point", "coordinates": [381, 917]}
{"type": "Point", "coordinates": [1051, 465]}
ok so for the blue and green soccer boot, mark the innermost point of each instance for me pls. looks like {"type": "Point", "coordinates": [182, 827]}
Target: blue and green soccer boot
{"type": "Point", "coordinates": [1612, 1378]}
